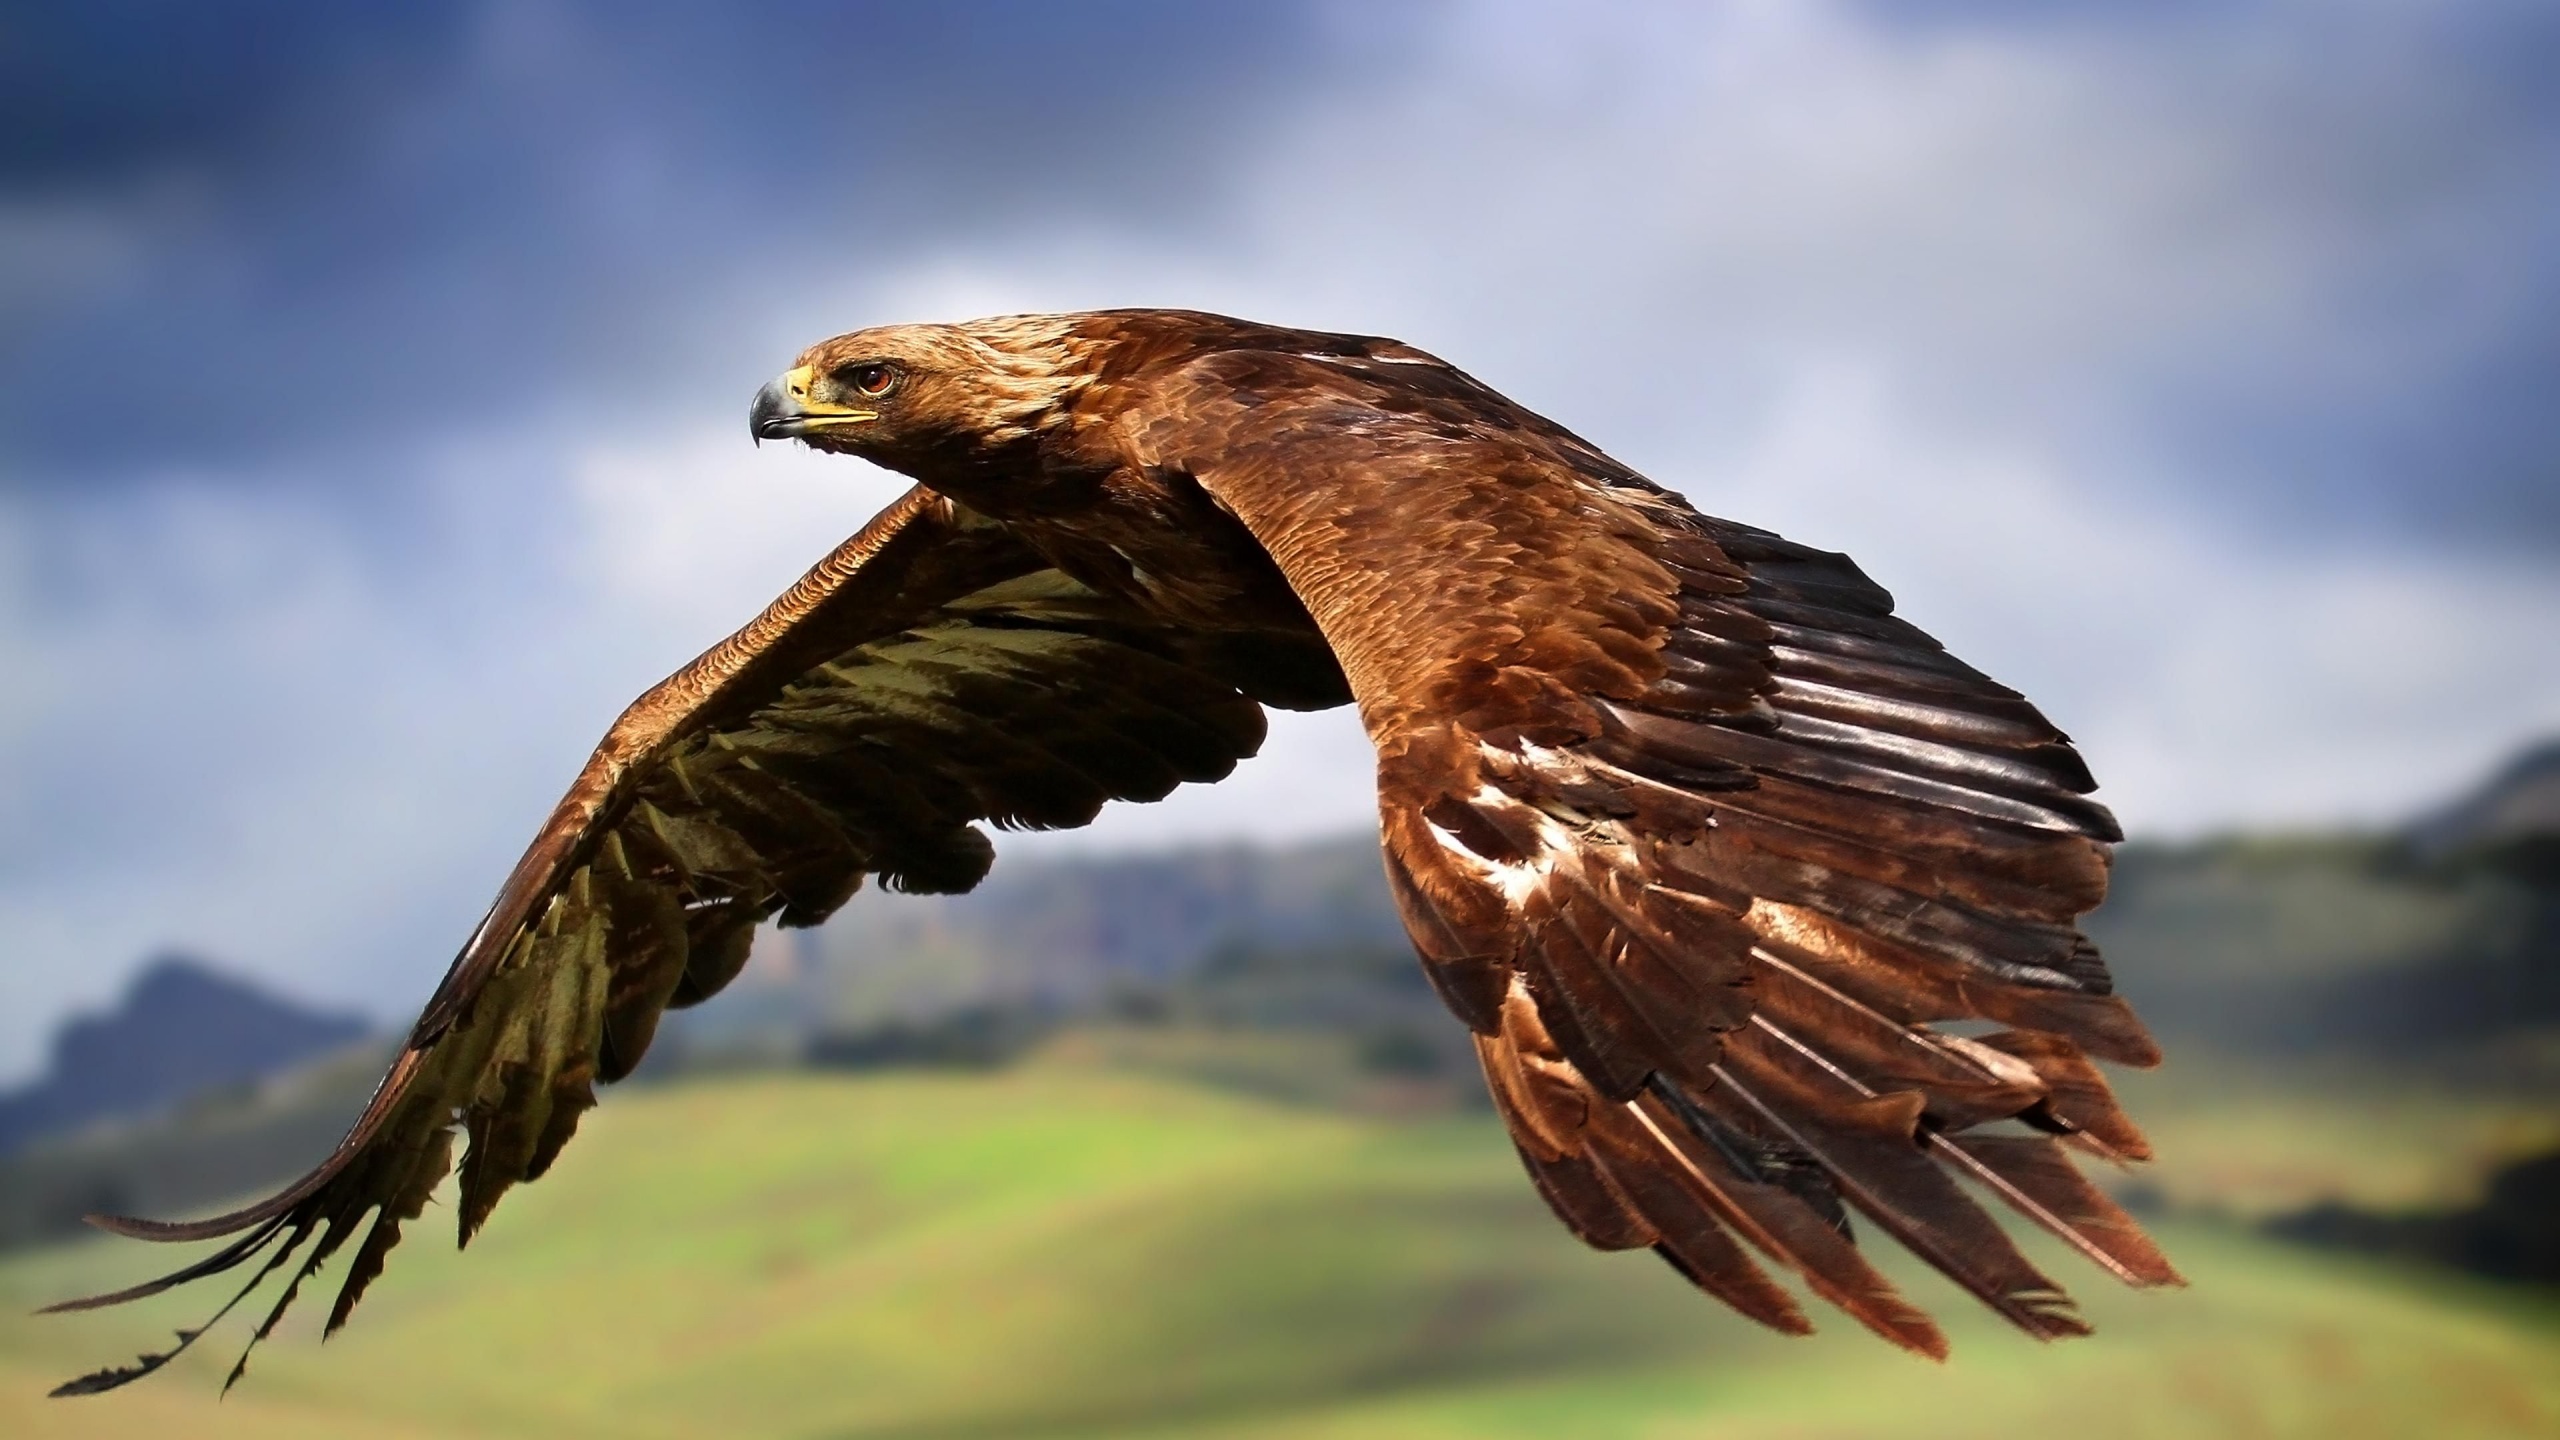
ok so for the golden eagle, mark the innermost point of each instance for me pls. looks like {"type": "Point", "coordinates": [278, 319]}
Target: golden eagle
{"type": "Point", "coordinates": [1699, 839]}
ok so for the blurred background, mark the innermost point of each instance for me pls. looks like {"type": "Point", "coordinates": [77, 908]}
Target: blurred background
{"type": "Point", "coordinates": [370, 387]}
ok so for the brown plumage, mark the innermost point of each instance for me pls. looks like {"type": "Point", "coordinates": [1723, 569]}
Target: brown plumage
{"type": "Point", "coordinates": [1698, 838]}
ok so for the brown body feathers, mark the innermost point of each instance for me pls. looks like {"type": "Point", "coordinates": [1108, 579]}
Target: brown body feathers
{"type": "Point", "coordinates": [1701, 840]}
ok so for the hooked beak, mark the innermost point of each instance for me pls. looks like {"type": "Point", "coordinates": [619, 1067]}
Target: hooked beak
{"type": "Point", "coordinates": [784, 411]}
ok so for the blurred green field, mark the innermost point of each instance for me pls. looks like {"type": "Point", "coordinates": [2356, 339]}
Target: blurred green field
{"type": "Point", "coordinates": [2250, 1140]}
{"type": "Point", "coordinates": [1066, 1250]}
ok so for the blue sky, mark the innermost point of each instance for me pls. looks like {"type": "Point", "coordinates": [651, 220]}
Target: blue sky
{"type": "Point", "coordinates": [370, 375]}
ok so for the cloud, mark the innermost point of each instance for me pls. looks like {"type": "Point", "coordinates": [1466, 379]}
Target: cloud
{"type": "Point", "coordinates": [498, 212]}
{"type": "Point", "coordinates": [2215, 678]}
{"type": "Point", "coordinates": [2173, 367]}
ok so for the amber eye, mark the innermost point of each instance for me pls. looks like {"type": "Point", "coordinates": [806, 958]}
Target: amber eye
{"type": "Point", "coordinates": [873, 380]}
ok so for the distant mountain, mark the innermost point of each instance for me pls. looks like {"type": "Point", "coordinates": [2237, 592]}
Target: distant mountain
{"type": "Point", "coordinates": [2436, 945]}
{"type": "Point", "coordinates": [1071, 924]}
{"type": "Point", "coordinates": [215, 1145]}
{"type": "Point", "coordinates": [2514, 816]}
{"type": "Point", "coordinates": [1052, 937]}
{"type": "Point", "coordinates": [183, 1028]}
{"type": "Point", "coordinates": [2336, 944]}
{"type": "Point", "coordinates": [2426, 945]}
{"type": "Point", "coordinates": [1066, 933]}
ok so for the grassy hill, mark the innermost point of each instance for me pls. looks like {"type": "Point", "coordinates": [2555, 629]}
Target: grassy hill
{"type": "Point", "coordinates": [1244, 1185]}
{"type": "Point", "coordinates": [1066, 1250]}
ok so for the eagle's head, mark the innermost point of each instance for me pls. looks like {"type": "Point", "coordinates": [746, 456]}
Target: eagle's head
{"type": "Point", "coordinates": [916, 397]}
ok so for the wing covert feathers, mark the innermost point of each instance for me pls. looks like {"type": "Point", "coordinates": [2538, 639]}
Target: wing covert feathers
{"type": "Point", "coordinates": [1706, 846]}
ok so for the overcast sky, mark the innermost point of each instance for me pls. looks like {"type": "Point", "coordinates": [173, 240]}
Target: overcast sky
{"type": "Point", "coordinates": [371, 376]}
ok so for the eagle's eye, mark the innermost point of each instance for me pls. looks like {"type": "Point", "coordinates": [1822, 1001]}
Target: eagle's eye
{"type": "Point", "coordinates": [871, 378]}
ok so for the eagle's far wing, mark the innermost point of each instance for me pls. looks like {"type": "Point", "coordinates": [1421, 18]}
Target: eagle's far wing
{"type": "Point", "coordinates": [930, 673]}
{"type": "Point", "coordinates": [1701, 840]}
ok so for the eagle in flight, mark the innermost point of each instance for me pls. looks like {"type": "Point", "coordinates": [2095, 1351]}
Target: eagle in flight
{"type": "Point", "coordinates": [1760, 905]}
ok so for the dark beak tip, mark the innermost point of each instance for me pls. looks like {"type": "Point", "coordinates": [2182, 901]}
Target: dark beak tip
{"type": "Point", "coordinates": [767, 414]}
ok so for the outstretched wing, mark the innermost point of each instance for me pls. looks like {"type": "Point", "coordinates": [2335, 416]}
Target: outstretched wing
{"type": "Point", "coordinates": [931, 673]}
{"type": "Point", "coordinates": [1701, 840]}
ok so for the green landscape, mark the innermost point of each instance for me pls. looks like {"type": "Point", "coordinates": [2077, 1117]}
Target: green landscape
{"type": "Point", "coordinates": [1062, 1249]}
{"type": "Point", "coordinates": [1233, 1177]}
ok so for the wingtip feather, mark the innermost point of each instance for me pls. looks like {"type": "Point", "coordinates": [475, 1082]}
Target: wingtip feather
{"type": "Point", "coordinates": [116, 1377]}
